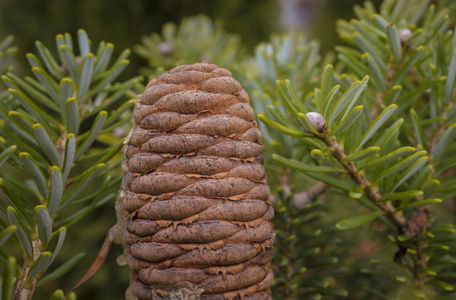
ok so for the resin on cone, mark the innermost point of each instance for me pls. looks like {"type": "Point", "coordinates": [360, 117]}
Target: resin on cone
{"type": "Point", "coordinates": [197, 206]}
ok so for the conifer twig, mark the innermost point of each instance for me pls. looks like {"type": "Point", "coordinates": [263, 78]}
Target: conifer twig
{"type": "Point", "coordinates": [302, 199]}
{"type": "Point", "coordinates": [370, 191]}
{"type": "Point", "coordinates": [24, 288]}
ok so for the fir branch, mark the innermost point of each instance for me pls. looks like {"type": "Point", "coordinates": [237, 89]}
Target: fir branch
{"type": "Point", "coordinates": [369, 189]}
{"type": "Point", "coordinates": [51, 143]}
{"type": "Point", "coordinates": [25, 288]}
{"type": "Point", "coordinates": [302, 199]}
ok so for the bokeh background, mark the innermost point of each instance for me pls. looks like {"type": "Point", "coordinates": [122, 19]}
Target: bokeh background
{"type": "Point", "coordinates": [123, 23]}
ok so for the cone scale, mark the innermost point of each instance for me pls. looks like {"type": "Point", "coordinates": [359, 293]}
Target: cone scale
{"type": "Point", "coordinates": [197, 207]}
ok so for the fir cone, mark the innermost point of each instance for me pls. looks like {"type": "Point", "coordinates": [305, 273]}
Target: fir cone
{"type": "Point", "coordinates": [197, 206]}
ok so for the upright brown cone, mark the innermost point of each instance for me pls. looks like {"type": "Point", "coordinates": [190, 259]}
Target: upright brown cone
{"type": "Point", "coordinates": [197, 204]}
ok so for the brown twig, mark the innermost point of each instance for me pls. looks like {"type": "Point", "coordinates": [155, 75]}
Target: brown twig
{"type": "Point", "coordinates": [412, 227]}
{"type": "Point", "coordinates": [302, 199]}
{"type": "Point", "coordinates": [370, 191]}
{"type": "Point", "coordinates": [26, 288]}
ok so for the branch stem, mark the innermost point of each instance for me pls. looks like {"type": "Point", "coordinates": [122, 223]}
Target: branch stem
{"type": "Point", "coordinates": [370, 191]}
{"type": "Point", "coordinates": [24, 288]}
{"type": "Point", "coordinates": [302, 199]}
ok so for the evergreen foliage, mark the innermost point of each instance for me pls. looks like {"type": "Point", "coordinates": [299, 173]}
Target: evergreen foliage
{"type": "Point", "coordinates": [305, 257]}
{"type": "Point", "coordinates": [6, 54]}
{"type": "Point", "coordinates": [388, 137]}
{"type": "Point", "coordinates": [57, 123]}
{"type": "Point", "coordinates": [196, 39]}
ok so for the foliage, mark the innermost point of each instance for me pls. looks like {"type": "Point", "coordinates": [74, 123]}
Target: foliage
{"type": "Point", "coordinates": [57, 123]}
{"type": "Point", "coordinates": [6, 54]}
{"type": "Point", "coordinates": [388, 136]}
{"type": "Point", "coordinates": [304, 257]}
{"type": "Point", "coordinates": [196, 39]}
{"type": "Point", "coordinates": [123, 23]}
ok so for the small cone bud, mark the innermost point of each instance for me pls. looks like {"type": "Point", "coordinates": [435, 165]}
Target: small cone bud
{"type": "Point", "coordinates": [317, 121]}
{"type": "Point", "coordinates": [404, 34]}
{"type": "Point", "coordinates": [165, 49]}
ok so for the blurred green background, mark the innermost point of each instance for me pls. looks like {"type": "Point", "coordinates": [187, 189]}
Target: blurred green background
{"type": "Point", "coordinates": [123, 23]}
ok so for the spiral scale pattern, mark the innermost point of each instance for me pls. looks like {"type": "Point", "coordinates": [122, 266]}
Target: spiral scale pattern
{"type": "Point", "coordinates": [197, 209]}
